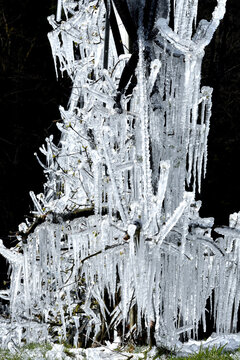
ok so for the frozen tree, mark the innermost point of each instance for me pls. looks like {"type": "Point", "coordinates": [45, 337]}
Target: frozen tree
{"type": "Point", "coordinates": [117, 244]}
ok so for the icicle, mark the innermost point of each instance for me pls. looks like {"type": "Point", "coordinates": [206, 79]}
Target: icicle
{"type": "Point", "coordinates": [162, 184]}
{"type": "Point", "coordinates": [144, 127]}
{"type": "Point", "coordinates": [67, 50]}
{"type": "Point", "coordinates": [59, 10]}
{"type": "Point", "coordinates": [15, 287]}
{"type": "Point", "coordinates": [155, 67]}
{"type": "Point", "coordinates": [131, 232]}
{"type": "Point", "coordinates": [55, 45]}
{"type": "Point", "coordinates": [207, 124]}
{"type": "Point", "coordinates": [114, 184]}
{"type": "Point", "coordinates": [97, 183]}
{"type": "Point", "coordinates": [26, 279]}
{"type": "Point", "coordinates": [75, 340]}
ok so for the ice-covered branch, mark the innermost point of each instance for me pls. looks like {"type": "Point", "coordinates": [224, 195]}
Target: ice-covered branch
{"type": "Point", "coordinates": [11, 255]}
{"type": "Point", "coordinates": [171, 222]}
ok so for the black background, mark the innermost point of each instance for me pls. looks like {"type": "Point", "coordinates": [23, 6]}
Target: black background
{"type": "Point", "coordinates": [30, 97]}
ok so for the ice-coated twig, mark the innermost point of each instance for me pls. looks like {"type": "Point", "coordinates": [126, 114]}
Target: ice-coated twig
{"type": "Point", "coordinates": [11, 255]}
{"type": "Point", "coordinates": [171, 222]}
{"type": "Point", "coordinates": [108, 247]}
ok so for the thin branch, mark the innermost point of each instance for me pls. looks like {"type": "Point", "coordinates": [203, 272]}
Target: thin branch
{"type": "Point", "coordinates": [57, 218]}
{"type": "Point", "coordinates": [108, 247]}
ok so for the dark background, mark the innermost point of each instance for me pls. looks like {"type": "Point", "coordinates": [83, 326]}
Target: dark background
{"type": "Point", "coordinates": [30, 96]}
{"type": "Point", "coordinates": [29, 101]}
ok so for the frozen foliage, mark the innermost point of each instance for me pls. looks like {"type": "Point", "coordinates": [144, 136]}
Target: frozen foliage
{"type": "Point", "coordinates": [117, 242]}
{"type": "Point", "coordinates": [230, 343]}
{"type": "Point", "coordinates": [115, 351]}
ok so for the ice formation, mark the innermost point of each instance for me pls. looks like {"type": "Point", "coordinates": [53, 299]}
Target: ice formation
{"type": "Point", "coordinates": [118, 218]}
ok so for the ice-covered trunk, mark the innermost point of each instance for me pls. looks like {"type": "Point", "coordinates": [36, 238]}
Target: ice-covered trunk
{"type": "Point", "coordinates": [179, 123]}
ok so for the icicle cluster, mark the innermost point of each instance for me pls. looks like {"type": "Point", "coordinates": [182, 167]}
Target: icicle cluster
{"type": "Point", "coordinates": [118, 215]}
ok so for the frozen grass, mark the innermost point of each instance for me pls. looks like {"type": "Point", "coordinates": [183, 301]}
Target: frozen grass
{"type": "Point", "coordinates": [26, 352]}
{"type": "Point", "coordinates": [203, 354]}
{"type": "Point", "coordinates": [42, 352]}
{"type": "Point", "coordinates": [206, 354]}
